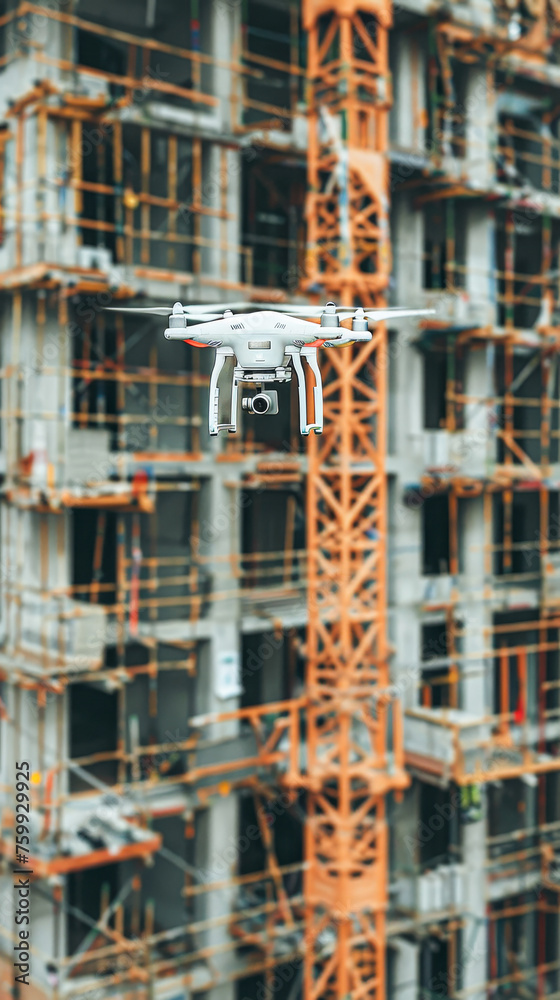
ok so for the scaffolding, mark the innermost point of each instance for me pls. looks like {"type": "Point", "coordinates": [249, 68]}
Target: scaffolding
{"type": "Point", "coordinates": [104, 447]}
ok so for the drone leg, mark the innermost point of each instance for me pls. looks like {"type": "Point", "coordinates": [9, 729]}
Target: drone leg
{"type": "Point", "coordinates": [302, 392]}
{"type": "Point", "coordinates": [310, 355]}
{"type": "Point", "coordinates": [214, 400]}
{"type": "Point", "coordinates": [233, 410]}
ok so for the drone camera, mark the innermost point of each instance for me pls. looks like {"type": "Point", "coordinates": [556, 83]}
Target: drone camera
{"type": "Point", "coordinates": [263, 402]}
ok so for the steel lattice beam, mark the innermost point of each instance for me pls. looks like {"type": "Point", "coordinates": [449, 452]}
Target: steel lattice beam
{"type": "Point", "coordinates": [349, 768]}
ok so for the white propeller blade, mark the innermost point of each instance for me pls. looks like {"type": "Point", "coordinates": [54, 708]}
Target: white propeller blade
{"type": "Point", "coordinates": [207, 313]}
{"type": "Point", "coordinates": [396, 313]}
{"type": "Point", "coordinates": [141, 310]}
{"type": "Point", "coordinates": [199, 317]}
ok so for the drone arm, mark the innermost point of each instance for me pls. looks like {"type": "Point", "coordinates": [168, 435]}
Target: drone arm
{"type": "Point", "coordinates": [206, 334]}
{"type": "Point", "coordinates": [185, 334]}
{"type": "Point", "coordinates": [349, 337]}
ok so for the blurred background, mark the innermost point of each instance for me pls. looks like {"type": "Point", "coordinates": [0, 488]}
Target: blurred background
{"type": "Point", "coordinates": [292, 708]}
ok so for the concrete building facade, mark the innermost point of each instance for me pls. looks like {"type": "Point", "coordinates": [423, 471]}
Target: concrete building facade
{"type": "Point", "coordinates": [154, 580]}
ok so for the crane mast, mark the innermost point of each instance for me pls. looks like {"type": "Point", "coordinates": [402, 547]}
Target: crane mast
{"type": "Point", "coordinates": [351, 767]}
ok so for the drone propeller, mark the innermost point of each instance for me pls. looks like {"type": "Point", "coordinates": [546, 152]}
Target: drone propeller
{"type": "Point", "coordinates": [140, 310]}
{"type": "Point", "coordinates": [207, 313]}
{"type": "Point", "coordinates": [380, 313]}
{"type": "Point", "coordinates": [391, 312]}
{"type": "Point", "coordinates": [301, 311]}
{"type": "Point", "coordinates": [198, 314]}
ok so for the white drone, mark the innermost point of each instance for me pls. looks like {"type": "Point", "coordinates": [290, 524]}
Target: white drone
{"type": "Point", "coordinates": [265, 343]}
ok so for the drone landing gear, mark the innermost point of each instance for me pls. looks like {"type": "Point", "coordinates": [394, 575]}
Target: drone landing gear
{"type": "Point", "coordinates": [298, 355]}
{"type": "Point", "coordinates": [309, 354]}
{"type": "Point", "coordinates": [214, 402]}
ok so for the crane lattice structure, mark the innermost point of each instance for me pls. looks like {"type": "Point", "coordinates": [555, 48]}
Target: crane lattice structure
{"type": "Point", "coordinates": [350, 770]}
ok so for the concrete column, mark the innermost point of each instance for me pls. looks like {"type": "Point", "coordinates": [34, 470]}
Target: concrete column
{"type": "Point", "coordinates": [218, 691]}
{"type": "Point", "coordinates": [404, 826]}
{"type": "Point", "coordinates": [407, 234]}
{"type": "Point", "coordinates": [480, 115]}
{"type": "Point", "coordinates": [44, 397]}
{"type": "Point", "coordinates": [409, 104]}
{"type": "Point", "coordinates": [405, 970]}
{"type": "Point", "coordinates": [480, 263]}
{"type": "Point", "coordinates": [475, 933]}
{"type": "Point", "coordinates": [28, 35]}
{"type": "Point", "coordinates": [217, 854]}
{"type": "Point", "coordinates": [476, 685]}
{"type": "Point", "coordinates": [223, 169]}
{"type": "Point", "coordinates": [408, 461]}
{"type": "Point", "coordinates": [481, 13]}
{"type": "Point", "coordinates": [475, 445]}
{"type": "Point", "coordinates": [556, 925]}
{"type": "Point", "coordinates": [476, 698]}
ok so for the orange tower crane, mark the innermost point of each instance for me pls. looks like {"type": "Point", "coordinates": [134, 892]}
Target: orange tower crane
{"type": "Point", "coordinates": [350, 768]}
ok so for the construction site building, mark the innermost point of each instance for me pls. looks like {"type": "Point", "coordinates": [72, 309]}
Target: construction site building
{"type": "Point", "coordinates": [291, 707]}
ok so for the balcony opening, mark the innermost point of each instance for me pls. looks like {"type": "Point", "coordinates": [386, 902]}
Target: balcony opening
{"type": "Point", "coordinates": [172, 909]}
{"type": "Point", "coordinates": [89, 891]}
{"type": "Point", "coordinates": [163, 237]}
{"type": "Point", "coordinates": [527, 138]}
{"type": "Point", "coordinates": [552, 791]}
{"type": "Point", "coordinates": [98, 207]}
{"type": "Point", "coordinates": [94, 400]}
{"type": "Point", "coordinates": [149, 190]}
{"type": "Point", "coordinates": [93, 730]}
{"type": "Point", "coordinates": [435, 390]}
{"type": "Point", "coordinates": [436, 815]}
{"type": "Point", "coordinates": [287, 980]}
{"type": "Point", "coordinates": [511, 808]}
{"type": "Point", "coordinates": [443, 379]}
{"type": "Point", "coordinates": [527, 377]}
{"type": "Point", "coordinates": [516, 667]}
{"type": "Point", "coordinates": [272, 666]}
{"type": "Point", "coordinates": [444, 254]}
{"type": "Point", "coordinates": [164, 569]}
{"type": "Point", "coordinates": [283, 843]}
{"type": "Point", "coordinates": [435, 975]}
{"type": "Point", "coordinates": [435, 247]}
{"type": "Point", "coordinates": [269, 829]}
{"type": "Point", "coordinates": [435, 535]}
{"type": "Point", "coordinates": [157, 713]}
{"type": "Point", "coordinates": [94, 551]}
{"type": "Point", "coordinates": [273, 222]}
{"type": "Point", "coordinates": [141, 416]}
{"type": "Point", "coordinates": [273, 541]}
{"type": "Point", "coordinates": [439, 641]}
{"type": "Point", "coordinates": [550, 696]}
{"type": "Point", "coordinates": [113, 54]}
{"type": "Point", "coordinates": [517, 940]}
{"type": "Point", "coordinates": [517, 536]}
{"type": "Point", "coordinates": [271, 32]}
{"type": "Point", "coordinates": [447, 99]}
{"type": "Point", "coordinates": [282, 821]}
{"type": "Point", "coordinates": [519, 262]}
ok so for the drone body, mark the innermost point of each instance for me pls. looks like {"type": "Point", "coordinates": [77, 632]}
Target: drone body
{"type": "Point", "coordinates": [266, 346]}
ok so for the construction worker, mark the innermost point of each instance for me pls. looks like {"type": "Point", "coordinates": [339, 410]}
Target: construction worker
{"type": "Point", "coordinates": [471, 804]}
